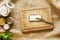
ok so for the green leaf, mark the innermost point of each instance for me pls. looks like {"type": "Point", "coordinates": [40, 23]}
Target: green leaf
{"type": "Point", "coordinates": [6, 36]}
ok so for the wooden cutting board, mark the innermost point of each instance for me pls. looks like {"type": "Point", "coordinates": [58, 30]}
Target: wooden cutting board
{"type": "Point", "coordinates": [28, 21]}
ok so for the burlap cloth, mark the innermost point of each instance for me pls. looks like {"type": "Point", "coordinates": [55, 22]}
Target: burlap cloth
{"type": "Point", "coordinates": [19, 4]}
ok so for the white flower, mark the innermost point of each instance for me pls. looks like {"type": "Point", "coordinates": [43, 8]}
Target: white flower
{"type": "Point", "coordinates": [6, 26]}
{"type": "Point", "coordinates": [4, 11]}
